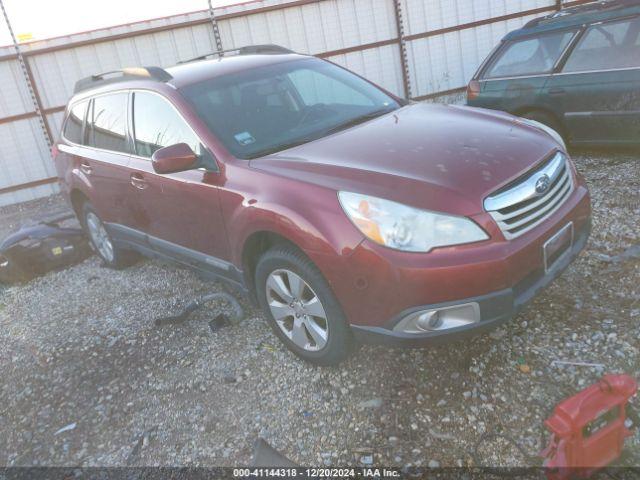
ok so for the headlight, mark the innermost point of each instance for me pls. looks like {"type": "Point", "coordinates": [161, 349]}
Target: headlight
{"type": "Point", "coordinates": [547, 129]}
{"type": "Point", "coordinates": [406, 228]}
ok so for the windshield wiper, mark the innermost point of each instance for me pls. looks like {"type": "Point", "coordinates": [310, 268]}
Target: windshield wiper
{"type": "Point", "coordinates": [357, 120]}
{"type": "Point", "coordinates": [279, 147]}
{"type": "Point", "coordinates": [341, 126]}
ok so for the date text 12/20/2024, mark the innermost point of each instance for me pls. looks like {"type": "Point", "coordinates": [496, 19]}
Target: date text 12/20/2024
{"type": "Point", "coordinates": [316, 473]}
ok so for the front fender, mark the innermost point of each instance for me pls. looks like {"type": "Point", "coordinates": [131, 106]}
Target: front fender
{"type": "Point", "coordinates": [307, 215]}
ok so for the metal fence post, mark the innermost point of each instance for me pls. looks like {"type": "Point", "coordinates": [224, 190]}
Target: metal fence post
{"type": "Point", "coordinates": [404, 59]}
{"type": "Point", "coordinates": [29, 80]}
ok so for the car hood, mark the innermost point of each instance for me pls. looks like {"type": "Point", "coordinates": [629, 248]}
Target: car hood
{"type": "Point", "coordinates": [438, 157]}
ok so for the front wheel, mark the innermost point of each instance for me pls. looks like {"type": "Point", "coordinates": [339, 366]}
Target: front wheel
{"type": "Point", "coordinates": [301, 308]}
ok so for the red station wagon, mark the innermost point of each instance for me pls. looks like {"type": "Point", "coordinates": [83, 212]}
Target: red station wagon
{"type": "Point", "coordinates": [345, 212]}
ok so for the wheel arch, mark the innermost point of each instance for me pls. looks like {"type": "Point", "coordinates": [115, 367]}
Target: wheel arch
{"type": "Point", "coordinates": [255, 245]}
{"type": "Point", "coordinates": [78, 198]}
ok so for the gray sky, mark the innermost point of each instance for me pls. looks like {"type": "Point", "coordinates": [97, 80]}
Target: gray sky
{"type": "Point", "coordinates": [52, 18]}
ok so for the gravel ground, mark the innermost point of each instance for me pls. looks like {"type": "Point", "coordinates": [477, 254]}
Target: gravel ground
{"type": "Point", "coordinates": [14, 216]}
{"type": "Point", "coordinates": [79, 348]}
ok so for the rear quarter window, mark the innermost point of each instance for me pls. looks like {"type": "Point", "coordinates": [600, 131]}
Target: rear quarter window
{"type": "Point", "coordinates": [73, 126]}
{"type": "Point", "coordinates": [530, 56]}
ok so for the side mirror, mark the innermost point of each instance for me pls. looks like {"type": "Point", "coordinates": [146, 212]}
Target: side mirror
{"type": "Point", "coordinates": [174, 158]}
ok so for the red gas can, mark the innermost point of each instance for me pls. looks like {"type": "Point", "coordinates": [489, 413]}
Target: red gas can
{"type": "Point", "coordinates": [588, 430]}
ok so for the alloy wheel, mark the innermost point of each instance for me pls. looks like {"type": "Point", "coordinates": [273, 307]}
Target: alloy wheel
{"type": "Point", "coordinates": [297, 310]}
{"type": "Point", "coordinates": [100, 237]}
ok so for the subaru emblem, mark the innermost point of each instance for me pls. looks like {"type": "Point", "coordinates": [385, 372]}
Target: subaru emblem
{"type": "Point", "coordinates": [542, 184]}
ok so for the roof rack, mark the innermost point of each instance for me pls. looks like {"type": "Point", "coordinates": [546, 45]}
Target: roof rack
{"type": "Point", "coordinates": [134, 73]}
{"type": "Point", "coordinates": [268, 49]}
{"type": "Point", "coordinates": [597, 6]}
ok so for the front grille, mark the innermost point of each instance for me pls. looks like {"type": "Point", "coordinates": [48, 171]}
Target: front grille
{"type": "Point", "coordinates": [519, 207]}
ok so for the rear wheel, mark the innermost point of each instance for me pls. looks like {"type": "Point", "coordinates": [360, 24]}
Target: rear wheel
{"type": "Point", "coordinates": [301, 308]}
{"type": "Point", "coordinates": [102, 243]}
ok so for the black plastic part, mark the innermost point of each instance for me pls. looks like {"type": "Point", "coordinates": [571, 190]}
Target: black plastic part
{"type": "Point", "coordinates": [36, 249]}
{"type": "Point", "coordinates": [181, 317]}
{"type": "Point", "coordinates": [264, 455]}
{"type": "Point", "coordinates": [219, 322]}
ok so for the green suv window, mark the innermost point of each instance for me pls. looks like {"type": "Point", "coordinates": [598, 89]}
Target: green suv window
{"type": "Point", "coordinates": [608, 46]}
{"type": "Point", "coordinates": [530, 56]}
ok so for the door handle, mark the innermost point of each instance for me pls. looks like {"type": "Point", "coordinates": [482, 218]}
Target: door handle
{"type": "Point", "coordinates": [86, 168]}
{"type": "Point", "coordinates": [557, 91]}
{"type": "Point", "coordinates": [138, 181]}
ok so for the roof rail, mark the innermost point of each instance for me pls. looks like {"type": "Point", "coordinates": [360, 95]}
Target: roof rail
{"type": "Point", "coordinates": [597, 6]}
{"type": "Point", "coordinates": [268, 49]}
{"type": "Point", "coordinates": [133, 73]}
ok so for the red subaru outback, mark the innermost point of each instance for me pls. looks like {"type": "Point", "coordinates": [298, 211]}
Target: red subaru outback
{"type": "Point", "coordinates": [346, 212]}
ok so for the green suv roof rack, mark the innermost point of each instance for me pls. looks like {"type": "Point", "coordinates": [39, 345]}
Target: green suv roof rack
{"type": "Point", "coordinates": [577, 16]}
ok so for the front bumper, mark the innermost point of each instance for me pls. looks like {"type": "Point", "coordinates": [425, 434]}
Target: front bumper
{"type": "Point", "coordinates": [495, 308]}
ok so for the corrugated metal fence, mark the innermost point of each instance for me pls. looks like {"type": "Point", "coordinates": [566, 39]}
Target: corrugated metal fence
{"type": "Point", "coordinates": [414, 48]}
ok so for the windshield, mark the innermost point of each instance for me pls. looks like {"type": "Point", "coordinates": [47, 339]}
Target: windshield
{"type": "Point", "coordinates": [268, 109]}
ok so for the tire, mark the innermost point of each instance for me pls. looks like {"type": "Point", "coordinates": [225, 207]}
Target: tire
{"type": "Point", "coordinates": [275, 280]}
{"type": "Point", "coordinates": [103, 245]}
{"type": "Point", "coordinates": [546, 119]}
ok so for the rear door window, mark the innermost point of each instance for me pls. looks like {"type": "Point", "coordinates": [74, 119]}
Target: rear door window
{"type": "Point", "coordinates": [156, 124]}
{"type": "Point", "coordinates": [530, 56]}
{"type": "Point", "coordinates": [107, 123]}
{"type": "Point", "coordinates": [75, 120]}
{"type": "Point", "coordinates": [607, 46]}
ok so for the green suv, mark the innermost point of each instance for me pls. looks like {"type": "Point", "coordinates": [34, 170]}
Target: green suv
{"type": "Point", "coordinates": [577, 71]}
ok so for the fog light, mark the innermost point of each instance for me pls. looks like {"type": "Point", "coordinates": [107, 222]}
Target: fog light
{"type": "Point", "coordinates": [439, 319]}
{"type": "Point", "coordinates": [429, 320]}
